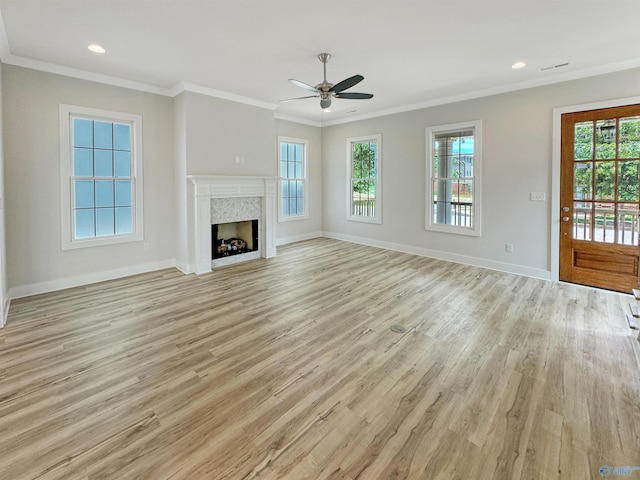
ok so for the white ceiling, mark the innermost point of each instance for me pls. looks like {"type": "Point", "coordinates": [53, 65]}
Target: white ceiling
{"type": "Point", "coordinates": [411, 52]}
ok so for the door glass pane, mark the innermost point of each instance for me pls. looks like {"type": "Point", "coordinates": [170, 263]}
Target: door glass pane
{"type": "Point", "coordinates": [628, 181]}
{"type": "Point", "coordinates": [629, 138]}
{"type": "Point", "coordinates": [583, 143]}
{"type": "Point", "coordinates": [605, 180]}
{"type": "Point", "coordinates": [605, 140]}
{"type": "Point", "coordinates": [582, 181]}
{"type": "Point", "coordinates": [627, 224]}
{"type": "Point", "coordinates": [582, 220]}
{"type": "Point", "coordinates": [604, 230]}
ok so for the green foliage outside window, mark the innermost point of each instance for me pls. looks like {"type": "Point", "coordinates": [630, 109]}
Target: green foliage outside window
{"type": "Point", "coordinates": [364, 168]}
{"type": "Point", "coordinates": [605, 174]}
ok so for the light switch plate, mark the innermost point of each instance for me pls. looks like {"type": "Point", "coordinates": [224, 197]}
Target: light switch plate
{"type": "Point", "coordinates": [538, 196]}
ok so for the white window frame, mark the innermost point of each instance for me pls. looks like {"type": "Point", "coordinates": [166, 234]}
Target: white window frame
{"type": "Point", "coordinates": [67, 113]}
{"type": "Point", "coordinates": [431, 132]}
{"type": "Point", "coordinates": [377, 218]}
{"type": "Point", "coordinates": [305, 153]}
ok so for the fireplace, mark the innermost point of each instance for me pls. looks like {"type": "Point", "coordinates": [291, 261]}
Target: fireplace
{"type": "Point", "coordinates": [219, 199]}
{"type": "Point", "coordinates": [234, 238]}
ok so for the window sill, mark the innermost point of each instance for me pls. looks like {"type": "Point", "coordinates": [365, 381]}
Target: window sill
{"type": "Point", "coordinates": [100, 241]}
{"type": "Point", "coordinates": [472, 232]}
{"type": "Point", "coordinates": [374, 220]}
{"type": "Point", "coordinates": [292, 218]}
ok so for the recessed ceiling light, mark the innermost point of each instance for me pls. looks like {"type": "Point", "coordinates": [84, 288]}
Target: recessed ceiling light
{"type": "Point", "coordinates": [519, 64]}
{"type": "Point", "coordinates": [95, 48]}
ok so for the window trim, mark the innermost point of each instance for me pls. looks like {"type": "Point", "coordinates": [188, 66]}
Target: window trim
{"type": "Point", "coordinates": [67, 112]}
{"type": "Point", "coordinates": [377, 219]}
{"type": "Point", "coordinates": [431, 132]}
{"type": "Point", "coordinates": [305, 153]}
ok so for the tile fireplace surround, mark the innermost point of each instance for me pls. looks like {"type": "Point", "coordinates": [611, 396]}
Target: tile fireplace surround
{"type": "Point", "coordinates": [208, 188]}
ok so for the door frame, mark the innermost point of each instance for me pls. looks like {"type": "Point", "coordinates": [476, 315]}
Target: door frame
{"type": "Point", "coordinates": [555, 170]}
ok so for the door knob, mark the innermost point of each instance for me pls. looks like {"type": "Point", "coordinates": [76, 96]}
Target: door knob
{"type": "Point", "coordinates": [565, 209]}
{"type": "Point", "coordinates": [565, 219]}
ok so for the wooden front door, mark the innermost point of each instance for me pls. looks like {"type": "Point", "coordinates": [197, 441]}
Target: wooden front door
{"type": "Point", "coordinates": [600, 198]}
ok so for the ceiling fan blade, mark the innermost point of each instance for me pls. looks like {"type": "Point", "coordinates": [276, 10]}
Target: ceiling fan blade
{"type": "Point", "coordinates": [300, 84]}
{"type": "Point", "coordinates": [298, 98]}
{"type": "Point", "coordinates": [354, 96]}
{"type": "Point", "coordinates": [347, 83]}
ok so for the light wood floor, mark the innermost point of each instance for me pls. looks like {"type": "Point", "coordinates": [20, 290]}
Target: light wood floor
{"type": "Point", "coordinates": [286, 369]}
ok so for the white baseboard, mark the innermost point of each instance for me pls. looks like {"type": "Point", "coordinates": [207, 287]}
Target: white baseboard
{"type": "Point", "coordinates": [80, 280]}
{"type": "Point", "coordinates": [5, 312]}
{"type": "Point", "coordinates": [184, 267]}
{"type": "Point", "coordinates": [298, 238]}
{"type": "Point", "coordinates": [451, 257]}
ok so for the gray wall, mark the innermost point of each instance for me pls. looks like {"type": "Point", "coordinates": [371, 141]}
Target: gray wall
{"type": "Point", "coordinates": [197, 134]}
{"type": "Point", "coordinates": [517, 152]}
{"type": "Point", "coordinates": [218, 130]}
{"type": "Point", "coordinates": [35, 261]}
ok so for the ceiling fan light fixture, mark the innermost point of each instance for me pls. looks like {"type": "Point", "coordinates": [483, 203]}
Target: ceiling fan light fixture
{"type": "Point", "coordinates": [325, 101]}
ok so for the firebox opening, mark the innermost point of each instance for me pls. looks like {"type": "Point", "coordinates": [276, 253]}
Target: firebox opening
{"type": "Point", "coordinates": [234, 238]}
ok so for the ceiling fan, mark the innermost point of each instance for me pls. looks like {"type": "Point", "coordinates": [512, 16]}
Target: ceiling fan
{"type": "Point", "coordinates": [326, 91]}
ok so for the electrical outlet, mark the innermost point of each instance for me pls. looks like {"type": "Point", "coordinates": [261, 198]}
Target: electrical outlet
{"type": "Point", "coordinates": [508, 247]}
{"type": "Point", "coordinates": [538, 197]}
{"type": "Point", "coordinates": [146, 246]}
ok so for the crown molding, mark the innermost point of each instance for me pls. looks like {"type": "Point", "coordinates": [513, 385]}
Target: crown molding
{"type": "Point", "coordinates": [291, 118]}
{"type": "Point", "coordinates": [212, 92]}
{"type": "Point", "coordinates": [83, 74]}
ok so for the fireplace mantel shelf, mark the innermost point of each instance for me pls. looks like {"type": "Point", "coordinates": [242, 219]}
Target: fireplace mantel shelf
{"type": "Point", "coordinates": [208, 187]}
{"type": "Point", "coordinates": [226, 186]}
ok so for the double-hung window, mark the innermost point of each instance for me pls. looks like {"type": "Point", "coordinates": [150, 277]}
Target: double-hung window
{"type": "Point", "coordinates": [454, 165]}
{"type": "Point", "coordinates": [293, 183]}
{"type": "Point", "coordinates": [363, 173]}
{"type": "Point", "coordinates": [101, 177]}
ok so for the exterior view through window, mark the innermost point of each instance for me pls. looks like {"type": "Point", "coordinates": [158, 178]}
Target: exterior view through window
{"type": "Point", "coordinates": [364, 167]}
{"type": "Point", "coordinates": [293, 172]}
{"type": "Point", "coordinates": [454, 163]}
{"type": "Point", "coordinates": [102, 180]}
{"type": "Point", "coordinates": [100, 177]}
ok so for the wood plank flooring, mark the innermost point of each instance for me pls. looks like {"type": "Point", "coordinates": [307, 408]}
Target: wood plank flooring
{"type": "Point", "coordinates": [286, 369]}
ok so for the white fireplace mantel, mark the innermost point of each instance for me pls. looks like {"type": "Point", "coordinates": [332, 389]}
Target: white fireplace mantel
{"type": "Point", "coordinates": [207, 187]}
